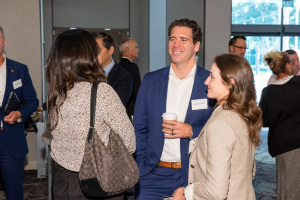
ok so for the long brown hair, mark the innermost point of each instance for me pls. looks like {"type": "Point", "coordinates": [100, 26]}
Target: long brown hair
{"type": "Point", "coordinates": [72, 59]}
{"type": "Point", "coordinates": [236, 72]}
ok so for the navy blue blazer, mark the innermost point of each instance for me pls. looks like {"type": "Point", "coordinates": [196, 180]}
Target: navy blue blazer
{"type": "Point", "coordinates": [120, 80]}
{"type": "Point", "coordinates": [147, 121]}
{"type": "Point", "coordinates": [15, 133]}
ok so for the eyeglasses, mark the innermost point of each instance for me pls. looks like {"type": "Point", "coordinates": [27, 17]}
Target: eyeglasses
{"type": "Point", "coordinates": [239, 47]}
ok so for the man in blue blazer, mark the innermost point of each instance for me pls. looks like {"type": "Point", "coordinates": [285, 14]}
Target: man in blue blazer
{"type": "Point", "coordinates": [163, 155]}
{"type": "Point", "coordinates": [14, 77]}
{"type": "Point", "coordinates": [117, 77]}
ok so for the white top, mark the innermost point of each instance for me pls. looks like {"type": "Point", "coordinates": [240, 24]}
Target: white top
{"type": "Point", "coordinates": [178, 97]}
{"type": "Point", "coordinates": [283, 80]}
{"type": "Point", "coordinates": [273, 79]}
{"type": "Point", "coordinates": [2, 79]}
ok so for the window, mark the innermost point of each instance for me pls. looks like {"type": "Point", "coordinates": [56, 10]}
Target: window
{"type": "Point", "coordinates": [268, 25]}
{"type": "Point", "coordinates": [255, 12]}
{"type": "Point", "coordinates": [291, 13]}
{"type": "Point", "coordinates": [258, 47]}
{"type": "Point", "coordinates": [291, 42]}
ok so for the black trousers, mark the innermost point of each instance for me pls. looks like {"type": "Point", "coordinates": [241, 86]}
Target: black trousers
{"type": "Point", "coordinates": [65, 184]}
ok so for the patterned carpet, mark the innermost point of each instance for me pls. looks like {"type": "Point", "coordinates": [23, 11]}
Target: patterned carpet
{"type": "Point", "coordinates": [264, 182]}
{"type": "Point", "coordinates": [265, 179]}
{"type": "Point", "coordinates": [34, 188]}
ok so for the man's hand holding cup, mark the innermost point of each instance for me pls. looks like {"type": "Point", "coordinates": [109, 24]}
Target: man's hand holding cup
{"type": "Point", "coordinates": [175, 129]}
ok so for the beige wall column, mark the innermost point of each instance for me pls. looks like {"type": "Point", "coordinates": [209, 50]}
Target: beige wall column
{"type": "Point", "coordinates": [217, 29]}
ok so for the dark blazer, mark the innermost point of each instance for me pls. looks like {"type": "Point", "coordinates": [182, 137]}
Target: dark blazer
{"type": "Point", "coordinates": [281, 113]}
{"type": "Point", "coordinates": [134, 71]}
{"type": "Point", "coordinates": [15, 134]}
{"type": "Point", "coordinates": [147, 121]}
{"type": "Point", "coordinates": [120, 80]}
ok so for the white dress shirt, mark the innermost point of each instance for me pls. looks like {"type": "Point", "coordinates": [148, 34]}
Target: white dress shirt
{"type": "Point", "coordinates": [178, 98]}
{"type": "Point", "coordinates": [2, 79]}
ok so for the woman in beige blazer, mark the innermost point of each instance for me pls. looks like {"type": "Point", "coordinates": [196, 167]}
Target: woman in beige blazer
{"type": "Point", "coordinates": [222, 162]}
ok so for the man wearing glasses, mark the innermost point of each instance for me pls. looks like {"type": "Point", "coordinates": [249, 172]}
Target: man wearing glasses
{"type": "Point", "coordinates": [238, 45]}
{"type": "Point", "coordinates": [294, 61]}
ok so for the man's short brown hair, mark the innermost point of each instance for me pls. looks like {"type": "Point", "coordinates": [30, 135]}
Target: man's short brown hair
{"type": "Point", "coordinates": [196, 29]}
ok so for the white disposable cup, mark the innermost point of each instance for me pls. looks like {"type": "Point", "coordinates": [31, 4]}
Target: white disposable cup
{"type": "Point", "coordinates": [169, 116]}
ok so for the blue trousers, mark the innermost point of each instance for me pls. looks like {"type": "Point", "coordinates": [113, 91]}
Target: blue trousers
{"type": "Point", "coordinates": [12, 172]}
{"type": "Point", "coordinates": [158, 183]}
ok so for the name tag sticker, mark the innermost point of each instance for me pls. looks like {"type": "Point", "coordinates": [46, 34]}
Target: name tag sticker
{"type": "Point", "coordinates": [17, 84]}
{"type": "Point", "coordinates": [199, 104]}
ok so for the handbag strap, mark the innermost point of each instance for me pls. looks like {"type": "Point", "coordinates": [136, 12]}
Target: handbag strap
{"type": "Point", "coordinates": [92, 111]}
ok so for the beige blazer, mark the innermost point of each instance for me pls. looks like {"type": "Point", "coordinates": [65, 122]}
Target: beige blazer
{"type": "Point", "coordinates": [222, 164]}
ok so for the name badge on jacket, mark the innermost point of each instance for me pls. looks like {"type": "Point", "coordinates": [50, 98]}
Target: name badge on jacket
{"type": "Point", "coordinates": [199, 104]}
{"type": "Point", "coordinates": [17, 84]}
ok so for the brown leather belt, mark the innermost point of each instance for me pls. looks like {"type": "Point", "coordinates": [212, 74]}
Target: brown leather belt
{"type": "Point", "coordinates": [174, 165]}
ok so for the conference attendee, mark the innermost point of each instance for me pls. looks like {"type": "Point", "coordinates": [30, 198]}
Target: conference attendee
{"type": "Point", "coordinates": [72, 68]}
{"type": "Point", "coordinates": [238, 45]}
{"type": "Point", "coordinates": [117, 77]}
{"type": "Point", "coordinates": [163, 155]}
{"type": "Point", "coordinates": [14, 80]}
{"type": "Point", "coordinates": [281, 113]}
{"type": "Point", "coordinates": [129, 51]}
{"type": "Point", "coordinates": [294, 58]}
{"type": "Point", "coordinates": [222, 163]}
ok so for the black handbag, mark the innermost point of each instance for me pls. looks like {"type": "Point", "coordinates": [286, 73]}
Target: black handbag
{"type": "Point", "coordinates": [106, 170]}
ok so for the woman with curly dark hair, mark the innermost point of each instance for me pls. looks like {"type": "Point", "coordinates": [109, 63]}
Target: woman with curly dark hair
{"type": "Point", "coordinates": [72, 68]}
{"type": "Point", "coordinates": [281, 113]}
{"type": "Point", "coordinates": [222, 163]}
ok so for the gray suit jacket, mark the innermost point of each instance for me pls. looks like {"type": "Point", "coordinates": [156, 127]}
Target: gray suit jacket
{"type": "Point", "coordinates": [222, 164]}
